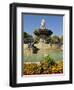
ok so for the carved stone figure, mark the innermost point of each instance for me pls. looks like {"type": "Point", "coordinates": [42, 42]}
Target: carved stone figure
{"type": "Point", "coordinates": [42, 26]}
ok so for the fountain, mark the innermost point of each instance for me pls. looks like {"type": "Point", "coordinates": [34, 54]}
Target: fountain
{"type": "Point", "coordinates": [43, 33]}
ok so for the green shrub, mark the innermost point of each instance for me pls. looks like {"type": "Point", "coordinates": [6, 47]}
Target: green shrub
{"type": "Point", "coordinates": [49, 60]}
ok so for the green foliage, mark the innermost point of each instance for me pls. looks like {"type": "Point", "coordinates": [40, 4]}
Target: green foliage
{"type": "Point", "coordinates": [49, 59]}
{"type": "Point", "coordinates": [27, 38]}
{"type": "Point", "coordinates": [26, 35]}
{"type": "Point", "coordinates": [47, 64]}
{"type": "Point", "coordinates": [61, 39]}
{"type": "Point", "coordinates": [55, 39]}
{"type": "Point", "coordinates": [36, 32]}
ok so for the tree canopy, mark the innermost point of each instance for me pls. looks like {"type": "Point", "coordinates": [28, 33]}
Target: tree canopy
{"type": "Point", "coordinates": [27, 38]}
{"type": "Point", "coordinates": [36, 32]}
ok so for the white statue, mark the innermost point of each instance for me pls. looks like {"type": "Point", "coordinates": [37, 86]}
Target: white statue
{"type": "Point", "coordinates": [42, 26]}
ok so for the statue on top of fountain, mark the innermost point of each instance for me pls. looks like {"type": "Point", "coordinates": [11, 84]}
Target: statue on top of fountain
{"type": "Point", "coordinates": [43, 26]}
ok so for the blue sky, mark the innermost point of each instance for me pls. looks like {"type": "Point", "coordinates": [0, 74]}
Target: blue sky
{"type": "Point", "coordinates": [53, 23]}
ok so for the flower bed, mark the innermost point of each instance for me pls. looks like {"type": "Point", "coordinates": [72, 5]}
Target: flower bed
{"type": "Point", "coordinates": [46, 66]}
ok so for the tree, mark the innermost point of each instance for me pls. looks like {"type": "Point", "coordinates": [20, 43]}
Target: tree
{"type": "Point", "coordinates": [26, 35]}
{"type": "Point", "coordinates": [27, 38]}
{"type": "Point", "coordinates": [36, 32]}
{"type": "Point", "coordinates": [54, 39]}
{"type": "Point", "coordinates": [61, 39]}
